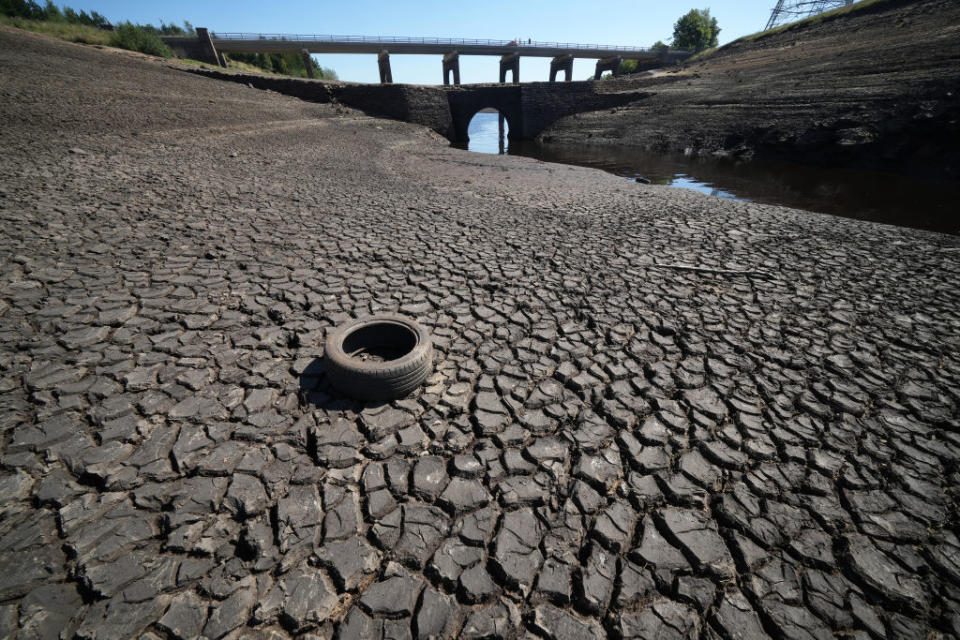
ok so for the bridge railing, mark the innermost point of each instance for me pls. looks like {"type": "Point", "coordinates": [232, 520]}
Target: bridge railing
{"type": "Point", "coordinates": [387, 40]}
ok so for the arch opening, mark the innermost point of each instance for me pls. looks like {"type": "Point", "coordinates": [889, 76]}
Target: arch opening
{"type": "Point", "coordinates": [488, 131]}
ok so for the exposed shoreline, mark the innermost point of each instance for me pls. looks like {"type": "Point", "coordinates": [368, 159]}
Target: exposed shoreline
{"type": "Point", "coordinates": [877, 89]}
{"type": "Point", "coordinates": [653, 413]}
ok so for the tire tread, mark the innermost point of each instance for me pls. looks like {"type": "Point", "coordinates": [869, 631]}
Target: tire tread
{"type": "Point", "coordinates": [388, 382]}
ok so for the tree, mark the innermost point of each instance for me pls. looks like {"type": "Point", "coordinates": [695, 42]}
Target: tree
{"type": "Point", "coordinates": [52, 13]}
{"type": "Point", "coordinates": [628, 66]}
{"type": "Point", "coordinates": [21, 9]}
{"type": "Point", "coordinates": [696, 30]}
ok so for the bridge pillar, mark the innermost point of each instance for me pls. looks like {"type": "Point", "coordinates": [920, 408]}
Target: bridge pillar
{"type": "Point", "coordinates": [663, 56]}
{"type": "Point", "coordinates": [451, 62]}
{"type": "Point", "coordinates": [562, 63]}
{"type": "Point", "coordinates": [510, 62]}
{"type": "Point", "coordinates": [206, 44]}
{"type": "Point", "coordinates": [383, 60]}
{"type": "Point", "coordinates": [307, 62]}
{"type": "Point", "coordinates": [608, 64]}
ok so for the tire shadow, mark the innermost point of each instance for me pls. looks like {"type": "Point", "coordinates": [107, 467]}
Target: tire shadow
{"type": "Point", "coordinates": [315, 392]}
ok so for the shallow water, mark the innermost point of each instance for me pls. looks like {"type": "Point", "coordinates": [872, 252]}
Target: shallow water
{"type": "Point", "coordinates": [865, 195]}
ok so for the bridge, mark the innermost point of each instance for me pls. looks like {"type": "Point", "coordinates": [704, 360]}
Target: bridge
{"type": "Point", "coordinates": [528, 108]}
{"type": "Point", "coordinates": [211, 46]}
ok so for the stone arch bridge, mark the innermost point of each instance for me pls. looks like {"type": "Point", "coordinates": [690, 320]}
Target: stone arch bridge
{"type": "Point", "coordinates": [528, 107]}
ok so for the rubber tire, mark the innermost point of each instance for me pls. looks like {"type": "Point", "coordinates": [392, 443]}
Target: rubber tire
{"type": "Point", "coordinates": [377, 380]}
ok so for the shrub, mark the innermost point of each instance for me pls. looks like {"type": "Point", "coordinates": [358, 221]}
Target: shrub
{"type": "Point", "coordinates": [138, 38]}
{"type": "Point", "coordinates": [628, 66]}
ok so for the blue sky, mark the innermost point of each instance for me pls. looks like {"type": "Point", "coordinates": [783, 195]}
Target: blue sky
{"type": "Point", "coordinates": [613, 22]}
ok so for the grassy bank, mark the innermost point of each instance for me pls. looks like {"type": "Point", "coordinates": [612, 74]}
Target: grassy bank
{"type": "Point", "coordinates": [231, 64]}
{"type": "Point", "coordinates": [132, 39]}
{"type": "Point", "coordinates": [93, 28]}
{"type": "Point", "coordinates": [69, 32]}
{"type": "Point", "coordinates": [285, 64]}
{"type": "Point", "coordinates": [125, 36]}
{"type": "Point", "coordinates": [854, 8]}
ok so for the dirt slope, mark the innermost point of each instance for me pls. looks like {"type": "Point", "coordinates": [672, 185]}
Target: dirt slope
{"type": "Point", "coordinates": [878, 88]}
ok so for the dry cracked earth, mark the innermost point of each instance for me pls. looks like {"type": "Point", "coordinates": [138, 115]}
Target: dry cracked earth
{"type": "Point", "coordinates": [653, 414]}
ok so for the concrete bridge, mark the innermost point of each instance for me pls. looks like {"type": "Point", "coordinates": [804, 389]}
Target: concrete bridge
{"type": "Point", "coordinates": [210, 46]}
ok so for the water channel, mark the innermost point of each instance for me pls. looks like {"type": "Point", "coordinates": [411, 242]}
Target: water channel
{"type": "Point", "coordinates": [866, 195]}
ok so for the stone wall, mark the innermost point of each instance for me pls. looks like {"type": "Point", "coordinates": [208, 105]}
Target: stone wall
{"type": "Point", "coordinates": [426, 106]}
{"type": "Point", "coordinates": [544, 103]}
{"type": "Point", "coordinates": [310, 90]}
{"type": "Point", "coordinates": [529, 108]}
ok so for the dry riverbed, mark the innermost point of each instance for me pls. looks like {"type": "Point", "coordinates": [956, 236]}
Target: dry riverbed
{"type": "Point", "coordinates": [654, 413]}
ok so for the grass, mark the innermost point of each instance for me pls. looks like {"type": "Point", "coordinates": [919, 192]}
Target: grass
{"type": "Point", "coordinates": [247, 67]}
{"type": "Point", "coordinates": [854, 8]}
{"type": "Point", "coordinates": [70, 32]}
{"type": "Point", "coordinates": [231, 64]}
{"type": "Point", "coordinates": [125, 36]}
{"type": "Point", "coordinates": [198, 63]}
{"type": "Point", "coordinates": [250, 68]}
{"type": "Point", "coordinates": [236, 65]}
{"type": "Point", "coordinates": [706, 53]}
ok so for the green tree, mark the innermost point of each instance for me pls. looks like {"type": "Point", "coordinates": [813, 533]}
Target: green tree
{"type": "Point", "coordinates": [628, 66]}
{"type": "Point", "coordinates": [696, 30]}
{"type": "Point", "coordinates": [52, 13]}
{"type": "Point", "coordinates": [141, 38]}
{"type": "Point", "coordinates": [28, 9]}
{"type": "Point", "coordinates": [170, 29]}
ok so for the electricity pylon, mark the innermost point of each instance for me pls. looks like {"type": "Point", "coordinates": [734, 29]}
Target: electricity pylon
{"type": "Point", "coordinates": [791, 10]}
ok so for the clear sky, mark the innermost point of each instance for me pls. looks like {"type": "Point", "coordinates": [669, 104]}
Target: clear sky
{"type": "Point", "coordinates": [613, 22]}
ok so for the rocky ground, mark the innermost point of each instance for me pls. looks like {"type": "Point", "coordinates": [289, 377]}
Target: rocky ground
{"type": "Point", "coordinates": [874, 89]}
{"type": "Point", "coordinates": [654, 414]}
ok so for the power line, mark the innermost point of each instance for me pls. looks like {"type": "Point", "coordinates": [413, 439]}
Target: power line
{"type": "Point", "coordinates": [787, 11]}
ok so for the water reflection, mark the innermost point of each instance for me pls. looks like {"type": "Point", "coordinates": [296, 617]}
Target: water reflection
{"type": "Point", "coordinates": [866, 195]}
{"type": "Point", "coordinates": [502, 131]}
{"type": "Point", "coordinates": [488, 133]}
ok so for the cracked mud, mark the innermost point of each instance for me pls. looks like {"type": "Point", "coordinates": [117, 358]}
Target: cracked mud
{"type": "Point", "coordinates": [608, 446]}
